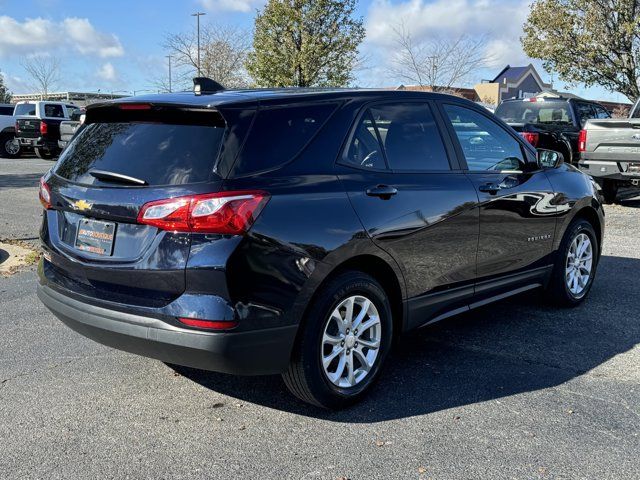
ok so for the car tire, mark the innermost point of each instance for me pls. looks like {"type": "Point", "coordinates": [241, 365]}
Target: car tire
{"type": "Point", "coordinates": [9, 147]}
{"type": "Point", "coordinates": [43, 154]}
{"type": "Point", "coordinates": [329, 367]}
{"type": "Point", "coordinates": [609, 191]}
{"type": "Point", "coordinates": [574, 269]}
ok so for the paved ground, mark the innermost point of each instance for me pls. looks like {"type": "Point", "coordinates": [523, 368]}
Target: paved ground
{"type": "Point", "coordinates": [513, 391]}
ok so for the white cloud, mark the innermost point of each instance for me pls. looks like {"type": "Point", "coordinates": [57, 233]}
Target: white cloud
{"type": "Point", "coordinates": [232, 5]}
{"type": "Point", "coordinates": [107, 72]}
{"type": "Point", "coordinates": [42, 36]}
{"type": "Point", "coordinates": [498, 22]}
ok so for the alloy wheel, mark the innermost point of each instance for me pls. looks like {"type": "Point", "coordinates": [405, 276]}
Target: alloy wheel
{"type": "Point", "coordinates": [351, 341]}
{"type": "Point", "coordinates": [579, 264]}
{"type": "Point", "coordinates": [12, 146]}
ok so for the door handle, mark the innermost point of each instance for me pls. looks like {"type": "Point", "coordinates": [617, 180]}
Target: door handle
{"type": "Point", "coordinates": [491, 188]}
{"type": "Point", "coordinates": [385, 192]}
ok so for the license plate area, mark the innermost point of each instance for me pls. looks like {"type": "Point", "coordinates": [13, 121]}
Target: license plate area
{"type": "Point", "coordinates": [95, 236]}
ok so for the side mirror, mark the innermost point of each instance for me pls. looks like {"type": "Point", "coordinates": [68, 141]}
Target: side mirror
{"type": "Point", "coordinates": [550, 158]}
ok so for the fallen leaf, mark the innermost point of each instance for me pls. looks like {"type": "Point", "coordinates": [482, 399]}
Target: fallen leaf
{"type": "Point", "coordinates": [217, 405]}
{"type": "Point", "coordinates": [379, 443]}
{"type": "Point", "coordinates": [421, 470]}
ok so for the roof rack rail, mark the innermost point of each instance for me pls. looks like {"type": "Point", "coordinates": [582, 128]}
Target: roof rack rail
{"type": "Point", "coordinates": [205, 85]}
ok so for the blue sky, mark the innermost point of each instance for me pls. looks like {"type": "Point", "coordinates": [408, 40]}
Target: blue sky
{"type": "Point", "coordinates": [116, 45]}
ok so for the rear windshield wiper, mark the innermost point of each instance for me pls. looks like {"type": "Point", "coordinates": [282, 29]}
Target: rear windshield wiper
{"type": "Point", "coordinates": [116, 177]}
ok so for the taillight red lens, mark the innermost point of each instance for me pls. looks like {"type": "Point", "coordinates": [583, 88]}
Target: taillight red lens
{"type": "Point", "coordinates": [44, 194]}
{"type": "Point", "coordinates": [531, 137]}
{"type": "Point", "coordinates": [230, 213]}
{"type": "Point", "coordinates": [44, 128]}
{"type": "Point", "coordinates": [209, 324]}
{"type": "Point", "coordinates": [582, 141]}
{"type": "Point", "coordinates": [17, 126]}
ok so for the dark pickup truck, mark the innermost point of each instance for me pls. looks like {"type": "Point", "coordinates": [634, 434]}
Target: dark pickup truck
{"type": "Point", "coordinates": [38, 125]}
{"type": "Point", "coordinates": [551, 123]}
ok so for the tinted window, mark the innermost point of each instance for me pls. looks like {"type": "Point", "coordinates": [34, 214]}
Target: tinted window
{"type": "Point", "coordinates": [25, 109]}
{"type": "Point", "coordinates": [601, 112]}
{"type": "Point", "coordinates": [485, 144]}
{"type": "Point", "coordinates": [53, 111]}
{"type": "Point", "coordinates": [280, 133]}
{"type": "Point", "coordinates": [160, 154]}
{"type": "Point", "coordinates": [585, 112]}
{"type": "Point", "coordinates": [364, 149]}
{"type": "Point", "coordinates": [542, 111]}
{"type": "Point", "coordinates": [6, 110]}
{"type": "Point", "coordinates": [410, 137]}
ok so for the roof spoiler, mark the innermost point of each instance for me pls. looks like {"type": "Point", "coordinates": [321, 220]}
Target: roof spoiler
{"type": "Point", "coordinates": [205, 85]}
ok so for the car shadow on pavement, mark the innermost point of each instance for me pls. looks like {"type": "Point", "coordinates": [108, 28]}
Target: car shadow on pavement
{"type": "Point", "coordinates": [516, 346]}
{"type": "Point", "coordinates": [20, 181]}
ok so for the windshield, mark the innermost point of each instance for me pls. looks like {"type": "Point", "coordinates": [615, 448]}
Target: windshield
{"type": "Point", "coordinates": [159, 154]}
{"type": "Point", "coordinates": [25, 109]}
{"type": "Point", "coordinates": [535, 112]}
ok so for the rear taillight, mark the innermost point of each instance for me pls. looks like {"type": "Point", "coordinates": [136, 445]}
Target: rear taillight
{"type": "Point", "coordinates": [44, 128]}
{"type": "Point", "coordinates": [229, 213]}
{"type": "Point", "coordinates": [44, 194]}
{"type": "Point", "coordinates": [582, 141]}
{"type": "Point", "coordinates": [209, 324]}
{"type": "Point", "coordinates": [17, 126]}
{"type": "Point", "coordinates": [531, 137]}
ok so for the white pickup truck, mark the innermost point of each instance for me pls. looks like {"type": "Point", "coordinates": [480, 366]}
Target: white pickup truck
{"type": "Point", "coordinates": [610, 152]}
{"type": "Point", "coordinates": [9, 146]}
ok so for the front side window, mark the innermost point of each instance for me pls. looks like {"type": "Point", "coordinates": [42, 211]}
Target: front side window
{"type": "Point", "coordinates": [405, 134]}
{"type": "Point", "coordinates": [485, 144]}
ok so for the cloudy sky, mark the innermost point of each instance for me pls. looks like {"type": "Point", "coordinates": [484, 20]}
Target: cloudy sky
{"type": "Point", "coordinates": [115, 45]}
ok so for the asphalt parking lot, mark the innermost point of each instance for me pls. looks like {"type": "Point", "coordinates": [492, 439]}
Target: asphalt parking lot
{"type": "Point", "coordinates": [517, 390]}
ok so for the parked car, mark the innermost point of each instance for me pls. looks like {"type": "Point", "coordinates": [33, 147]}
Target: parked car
{"type": "Point", "coordinates": [300, 231]}
{"type": "Point", "coordinates": [38, 125]}
{"type": "Point", "coordinates": [9, 146]}
{"type": "Point", "coordinates": [68, 128]}
{"type": "Point", "coordinates": [552, 123]}
{"type": "Point", "coordinates": [610, 152]}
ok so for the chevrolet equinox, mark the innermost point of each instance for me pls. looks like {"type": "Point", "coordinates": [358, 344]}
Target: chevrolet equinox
{"type": "Point", "coordinates": [301, 231]}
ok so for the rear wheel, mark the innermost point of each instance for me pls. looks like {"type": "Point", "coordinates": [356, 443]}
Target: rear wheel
{"type": "Point", "coordinates": [9, 147]}
{"type": "Point", "coordinates": [343, 342]}
{"type": "Point", "coordinates": [44, 153]}
{"type": "Point", "coordinates": [575, 266]}
{"type": "Point", "coordinates": [610, 191]}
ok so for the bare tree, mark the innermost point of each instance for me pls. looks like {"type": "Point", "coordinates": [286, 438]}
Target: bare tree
{"type": "Point", "coordinates": [440, 64]}
{"type": "Point", "coordinates": [223, 51]}
{"type": "Point", "coordinates": [44, 72]}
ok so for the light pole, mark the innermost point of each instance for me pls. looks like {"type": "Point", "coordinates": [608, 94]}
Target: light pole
{"type": "Point", "coordinates": [198, 15]}
{"type": "Point", "coordinates": [169, 57]}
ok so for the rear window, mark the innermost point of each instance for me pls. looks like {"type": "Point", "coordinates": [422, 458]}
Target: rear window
{"type": "Point", "coordinates": [535, 112]}
{"type": "Point", "coordinates": [278, 134]}
{"type": "Point", "coordinates": [158, 153]}
{"type": "Point", "coordinates": [25, 109]}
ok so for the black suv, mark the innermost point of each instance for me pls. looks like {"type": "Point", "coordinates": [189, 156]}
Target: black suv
{"type": "Point", "coordinates": [552, 123]}
{"type": "Point", "coordinates": [301, 231]}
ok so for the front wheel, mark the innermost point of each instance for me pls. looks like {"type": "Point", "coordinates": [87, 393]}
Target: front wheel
{"type": "Point", "coordinates": [9, 147]}
{"type": "Point", "coordinates": [575, 266]}
{"type": "Point", "coordinates": [343, 342]}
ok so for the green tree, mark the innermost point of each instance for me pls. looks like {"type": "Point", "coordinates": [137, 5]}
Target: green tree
{"type": "Point", "coordinates": [305, 43]}
{"type": "Point", "coordinates": [595, 42]}
{"type": "Point", "coordinates": [5, 94]}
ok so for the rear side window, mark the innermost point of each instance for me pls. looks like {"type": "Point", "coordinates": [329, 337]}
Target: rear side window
{"type": "Point", "coordinates": [53, 111]}
{"type": "Point", "coordinates": [158, 153]}
{"type": "Point", "coordinates": [409, 137]}
{"type": "Point", "coordinates": [25, 109]}
{"type": "Point", "coordinates": [6, 110]}
{"type": "Point", "coordinates": [279, 134]}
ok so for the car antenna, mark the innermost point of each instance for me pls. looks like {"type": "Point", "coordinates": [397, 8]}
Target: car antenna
{"type": "Point", "coordinates": [205, 85]}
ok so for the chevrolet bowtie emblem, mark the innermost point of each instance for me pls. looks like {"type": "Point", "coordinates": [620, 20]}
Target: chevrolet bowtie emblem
{"type": "Point", "coordinates": [81, 205]}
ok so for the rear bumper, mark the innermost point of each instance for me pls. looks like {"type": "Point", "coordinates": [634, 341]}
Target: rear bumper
{"type": "Point", "coordinates": [256, 352]}
{"type": "Point", "coordinates": [614, 170]}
